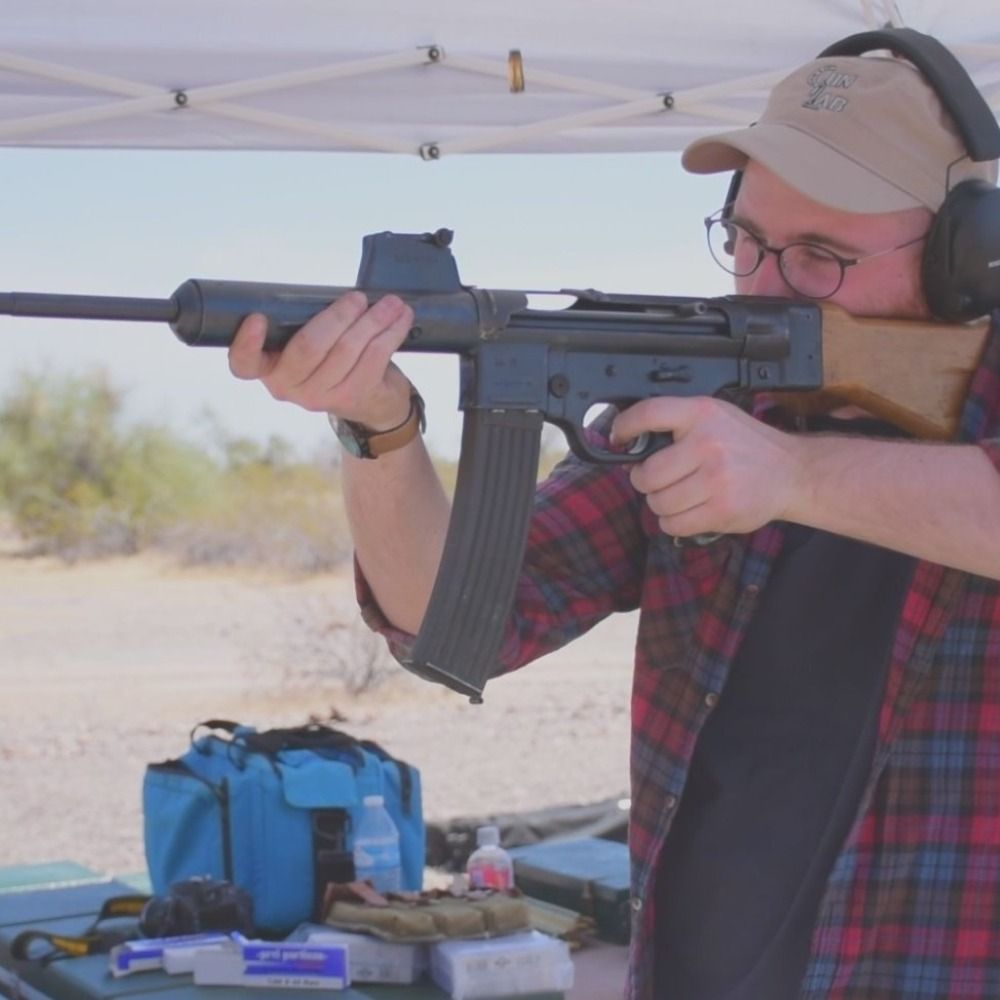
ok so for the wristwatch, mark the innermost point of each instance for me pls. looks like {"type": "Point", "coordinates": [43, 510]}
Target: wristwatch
{"type": "Point", "coordinates": [362, 442]}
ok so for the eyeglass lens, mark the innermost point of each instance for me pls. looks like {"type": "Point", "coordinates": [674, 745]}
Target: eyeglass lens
{"type": "Point", "coordinates": [808, 269]}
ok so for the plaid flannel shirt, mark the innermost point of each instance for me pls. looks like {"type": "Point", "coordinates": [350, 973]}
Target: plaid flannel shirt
{"type": "Point", "coordinates": [912, 905]}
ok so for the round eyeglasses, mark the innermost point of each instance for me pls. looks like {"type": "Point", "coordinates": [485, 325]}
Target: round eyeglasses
{"type": "Point", "coordinates": [809, 269]}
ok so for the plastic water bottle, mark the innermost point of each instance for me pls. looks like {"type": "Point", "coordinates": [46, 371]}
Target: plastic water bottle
{"type": "Point", "coordinates": [376, 847]}
{"type": "Point", "coordinates": [489, 865]}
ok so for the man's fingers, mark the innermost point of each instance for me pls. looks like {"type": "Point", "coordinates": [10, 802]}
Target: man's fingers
{"type": "Point", "coordinates": [326, 351]}
{"type": "Point", "coordinates": [665, 467]}
{"type": "Point", "coordinates": [373, 338]}
{"type": "Point", "coordinates": [340, 361]}
{"type": "Point", "coordinates": [688, 523]}
{"type": "Point", "coordinates": [372, 363]}
{"type": "Point", "coordinates": [247, 358]}
{"type": "Point", "coordinates": [308, 349]}
{"type": "Point", "coordinates": [663, 413]}
{"type": "Point", "coordinates": [678, 498]}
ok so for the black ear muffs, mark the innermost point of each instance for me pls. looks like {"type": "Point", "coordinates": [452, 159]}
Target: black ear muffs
{"type": "Point", "coordinates": [734, 190]}
{"type": "Point", "coordinates": [960, 269]}
{"type": "Point", "coordinates": [961, 263]}
{"type": "Point", "coordinates": [727, 206]}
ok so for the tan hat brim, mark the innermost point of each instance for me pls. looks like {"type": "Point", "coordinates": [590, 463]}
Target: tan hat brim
{"type": "Point", "coordinates": [811, 166]}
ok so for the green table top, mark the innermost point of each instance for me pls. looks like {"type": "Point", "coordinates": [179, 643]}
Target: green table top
{"type": "Point", "coordinates": [63, 897]}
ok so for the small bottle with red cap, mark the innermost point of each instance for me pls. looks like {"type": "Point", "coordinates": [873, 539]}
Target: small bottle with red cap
{"type": "Point", "coordinates": [489, 865]}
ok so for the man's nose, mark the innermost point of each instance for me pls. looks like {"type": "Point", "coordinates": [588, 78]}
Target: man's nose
{"type": "Point", "coordinates": [766, 280]}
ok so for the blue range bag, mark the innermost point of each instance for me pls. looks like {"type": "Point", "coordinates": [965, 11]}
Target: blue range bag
{"type": "Point", "coordinates": [274, 813]}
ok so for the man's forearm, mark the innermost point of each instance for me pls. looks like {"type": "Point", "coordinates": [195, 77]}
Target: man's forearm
{"type": "Point", "coordinates": [398, 513]}
{"type": "Point", "coordinates": [937, 502]}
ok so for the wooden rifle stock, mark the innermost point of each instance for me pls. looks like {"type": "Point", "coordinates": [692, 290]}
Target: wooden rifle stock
{"type": "Point", "coordinates": [911, 373]}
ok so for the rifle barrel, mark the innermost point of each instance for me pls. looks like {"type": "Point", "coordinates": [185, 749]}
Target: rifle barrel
{"type": "Point", "coordinates": [88, 307]}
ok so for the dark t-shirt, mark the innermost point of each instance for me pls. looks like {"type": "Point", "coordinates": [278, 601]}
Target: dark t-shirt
{"type": "Point", "coordinates": [777, 775]}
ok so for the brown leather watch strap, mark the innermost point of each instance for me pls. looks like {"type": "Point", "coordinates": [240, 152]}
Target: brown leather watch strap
{"type": "Point", "coordinates": [362, 442]}
{"type": "Point", "coordinates": [382, 442]}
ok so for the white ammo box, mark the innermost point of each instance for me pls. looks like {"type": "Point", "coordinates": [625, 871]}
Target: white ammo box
{"type": "Point", "coordinates": [371, 960]}
{"type": "Point", "coordinates": [509, 966]}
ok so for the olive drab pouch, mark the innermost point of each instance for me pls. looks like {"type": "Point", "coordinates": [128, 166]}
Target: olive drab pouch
{"type": "Point", "coordinates": [428, 916]}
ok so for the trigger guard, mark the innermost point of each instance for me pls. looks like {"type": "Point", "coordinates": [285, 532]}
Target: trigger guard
{"type": "Point", "coordinates": [647, 444]}
{"type": "Point", "coordinates": [639, 447]}
{"type": "Point", "coordinates": [637, 450]}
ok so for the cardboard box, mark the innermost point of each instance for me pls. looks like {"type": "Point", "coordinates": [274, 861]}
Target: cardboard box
{"type": "Point", "coordinates": [270, 964]}
{"type": "Point", "coordinates": [172, 954]}
{"type": "Point", "coordinates": [516, 965]}
{"type": "Point", "coordinates": [370, 960]}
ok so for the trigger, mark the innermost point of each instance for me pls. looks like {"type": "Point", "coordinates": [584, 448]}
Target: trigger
{"type": "Point", "coordinates": [638, 445]}
{"type": "Point", "coordinates": [653, 441]}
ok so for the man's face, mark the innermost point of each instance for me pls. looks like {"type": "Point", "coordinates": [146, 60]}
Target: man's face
{"type": "Point", "coordinates": [883, 286]}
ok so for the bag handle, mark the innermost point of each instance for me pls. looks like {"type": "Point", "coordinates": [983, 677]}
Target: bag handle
{"type": "Point", "coordinates": [222, 725]}
{"type": "Point", "coordinates": [315, 737]}
{"type": "Point", "coordinates": [405, 772]}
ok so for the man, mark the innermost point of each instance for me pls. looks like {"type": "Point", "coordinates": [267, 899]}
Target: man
{"type": "Point", "coordinates": [816, 710]}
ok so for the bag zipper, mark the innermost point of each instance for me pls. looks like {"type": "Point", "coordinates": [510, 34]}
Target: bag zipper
{"type": "Point", "coordinates": [221, 794]}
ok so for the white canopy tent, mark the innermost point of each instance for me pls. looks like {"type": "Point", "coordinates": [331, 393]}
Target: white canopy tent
{"type": "Point", "coordinates": [432, 79]}
{"type": "Point", "coordinates": [326, 75]}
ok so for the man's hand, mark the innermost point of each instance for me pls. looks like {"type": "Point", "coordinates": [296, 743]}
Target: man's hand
{"type": "Point", "coordinates": [339, 362]}
{"type": "Point", "coordinates": [725, 472]}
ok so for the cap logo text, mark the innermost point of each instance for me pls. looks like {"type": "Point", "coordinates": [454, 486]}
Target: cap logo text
{"type": "Point", "coordinates": [823, 85]}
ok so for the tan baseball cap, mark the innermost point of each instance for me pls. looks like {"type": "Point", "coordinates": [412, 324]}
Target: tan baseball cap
{"type": "Point", "coordinates": [857, 133]}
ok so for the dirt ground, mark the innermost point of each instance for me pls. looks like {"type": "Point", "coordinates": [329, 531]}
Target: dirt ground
{"type": "Point", "coordinates": [106, 666]}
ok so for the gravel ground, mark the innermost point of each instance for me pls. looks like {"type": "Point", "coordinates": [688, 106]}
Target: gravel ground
{"type": "Point", "coordinates": [107, 666]}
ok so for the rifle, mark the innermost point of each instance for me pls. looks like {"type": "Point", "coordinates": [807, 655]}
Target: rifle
{"type": "Point", "coordinates": [521, 367]}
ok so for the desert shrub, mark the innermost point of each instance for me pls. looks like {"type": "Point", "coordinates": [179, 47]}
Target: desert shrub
{"type": "Point", "coordinates": [268, 510]}
{"type": "Point", "coordinates": [75, 484]}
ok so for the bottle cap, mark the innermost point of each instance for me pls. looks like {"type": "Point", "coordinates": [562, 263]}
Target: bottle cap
{"type": "Point", "coordinates": [488, 836]}
{"type": "Point", "coordinates": [373, 800]}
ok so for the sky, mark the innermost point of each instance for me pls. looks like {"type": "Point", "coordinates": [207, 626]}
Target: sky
{"type": "Point", "coordinates": [128, 222]}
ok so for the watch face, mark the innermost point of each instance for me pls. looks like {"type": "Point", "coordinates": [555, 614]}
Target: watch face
{"type": "Point", "coordinates": [354, 443]}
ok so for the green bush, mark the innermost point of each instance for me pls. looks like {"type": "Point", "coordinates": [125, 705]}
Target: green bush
{"type": "Point", "coordinates": [269, 511]}
{"type": "Point", "coordinates": [75, 484]}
